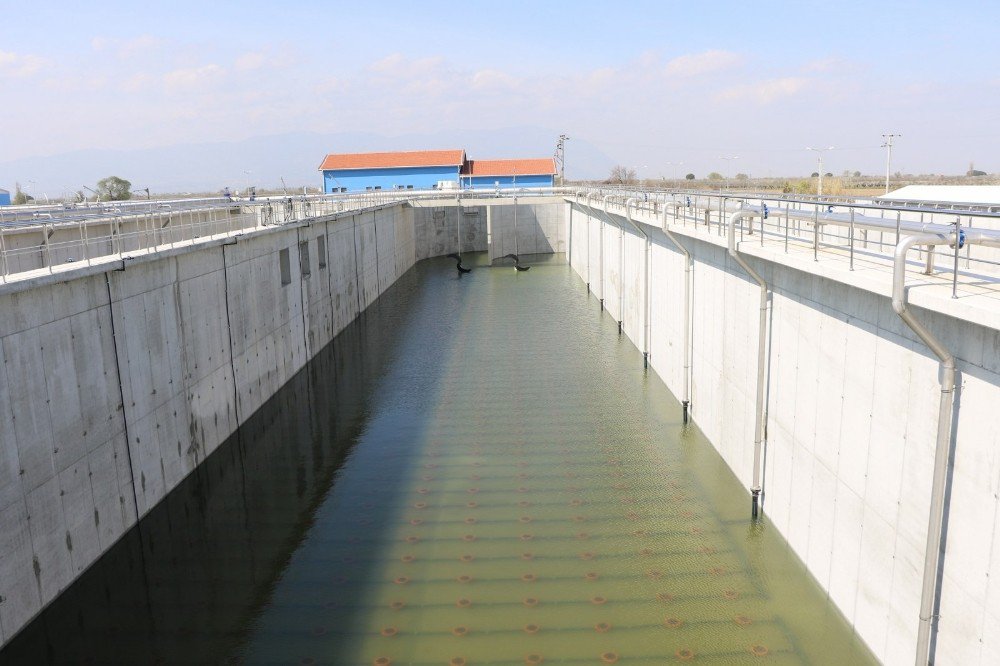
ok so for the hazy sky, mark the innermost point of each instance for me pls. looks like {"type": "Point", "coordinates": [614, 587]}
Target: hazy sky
{"type": "Point", "coordinates": [652, 84]}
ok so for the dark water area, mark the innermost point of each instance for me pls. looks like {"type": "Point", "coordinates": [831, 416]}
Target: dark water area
{"type": "Point", "coordinates": [476, 471]}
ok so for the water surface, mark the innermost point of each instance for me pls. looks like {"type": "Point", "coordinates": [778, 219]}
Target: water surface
{"type": "Point", "coordinates": [477, 471]}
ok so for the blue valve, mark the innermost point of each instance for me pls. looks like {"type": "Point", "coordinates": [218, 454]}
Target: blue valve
{"type": "Point", "coordinates": [764, 207]}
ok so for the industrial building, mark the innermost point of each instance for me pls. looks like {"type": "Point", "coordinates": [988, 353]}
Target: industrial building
{"type": "Point", "coordinates": [4, 197]}
{"type": "Point", "coordinates": [494, 174]}
{"type": "Point", "coordinates": [412, 170]}
{"type": "Point", "coordinates": [430, 169]}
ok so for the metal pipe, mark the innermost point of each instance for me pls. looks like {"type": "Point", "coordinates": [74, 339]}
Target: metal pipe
{"type": "Point", "coordinates": [621, 234]}
{"type": "Point", "coordinates": [621, 269]}
{"type": "Point", "coordinates": [688, 265]}
{"type": "Point", "coordinates": [932, 553]}
{"type": "Point", "coordinates": [645, 287]}
{"type": "Point", "coordinates": [758, 436]}
{"type": "Point", "coordinates": [590, 214]}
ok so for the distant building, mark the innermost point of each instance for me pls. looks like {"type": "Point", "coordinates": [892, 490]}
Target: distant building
{"type": "Point", "coordinates": [4, 197]}
{"type": "Point", "coordinates": [492, 174]}
{"type": "Point", "coordinates": [957, 194]}
{"type": "Point", "coordinates": [430, 169]}
{"type": "Point", "coordinates": [412, 170]}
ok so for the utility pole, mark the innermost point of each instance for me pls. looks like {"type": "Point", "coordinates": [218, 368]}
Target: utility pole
{"type": "Point", "coordinates": [561, 158]}
{"type": "Point", "coordinates": [729, 161]}
{"type": "Point", "coordinates": [887, 144]}
{"type": "Point", "coordinates": [819, 152]}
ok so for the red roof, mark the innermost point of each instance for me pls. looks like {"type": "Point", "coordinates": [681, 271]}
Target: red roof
{"type": "Point", "coordinates": [545, 166]}
{"type": "Point", "coordinates": [414, 158]}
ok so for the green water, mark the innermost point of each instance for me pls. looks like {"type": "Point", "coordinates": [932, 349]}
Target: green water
{"type": "Point", "coordinates": [477, 471]}
{"type": "Point", "coordinates": [523, 491]}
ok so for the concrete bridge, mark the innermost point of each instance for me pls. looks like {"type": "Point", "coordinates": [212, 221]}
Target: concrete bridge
{"type": "Point", "coordinates": [813, 342]}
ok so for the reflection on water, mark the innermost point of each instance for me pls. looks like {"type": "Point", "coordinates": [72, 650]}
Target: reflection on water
{"type": "Point", "coordinates": [477, 471]}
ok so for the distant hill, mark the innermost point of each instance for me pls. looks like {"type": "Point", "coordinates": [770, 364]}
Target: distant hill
{"type": "Point", "coordinates": [208, 167]}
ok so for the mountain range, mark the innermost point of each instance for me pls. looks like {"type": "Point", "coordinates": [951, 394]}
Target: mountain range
{"type": "Point", "coordinates": [295, 156]}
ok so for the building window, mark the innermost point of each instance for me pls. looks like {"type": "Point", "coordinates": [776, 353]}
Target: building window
{"type": "Point", "coordinates": [304, 258]}
{"type": "Point", "coordinates": [409, 187]}
{"type": "Point", "coordinates": [343, 189]}
{"type": "Point", "coordinates": [378, 187]}
{"type": "Point", "coordinates": [321, 250]}
{"type": "Point", "coordinates": [368, 189]}
{"type": "Point", "coordinates": [286, 267]}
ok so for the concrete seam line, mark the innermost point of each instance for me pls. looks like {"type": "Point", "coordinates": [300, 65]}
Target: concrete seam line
{"type": "Point", "coordinates": [121, 394]}
{"type": "Point", "coordinates": [229, 327]}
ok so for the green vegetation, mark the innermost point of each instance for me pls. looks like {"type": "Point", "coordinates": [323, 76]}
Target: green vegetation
{"type": "Point", "coordinates": [20, 198]}
{"type": "Point", "coordinates": [114, 188]}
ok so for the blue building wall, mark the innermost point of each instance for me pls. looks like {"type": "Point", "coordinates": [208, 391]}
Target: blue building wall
{"type": "Point", "coordinates": [360, 180]}
{"type": "Point", "coordinates": [489, 182]}
{"type": "Point", "coordinates": [4, 198]}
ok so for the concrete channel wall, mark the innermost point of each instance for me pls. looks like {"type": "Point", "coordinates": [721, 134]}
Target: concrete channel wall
{"type": "Point", "coordinates": [119, 379]}
{"type": "Point", "coordinates": [851, 414]}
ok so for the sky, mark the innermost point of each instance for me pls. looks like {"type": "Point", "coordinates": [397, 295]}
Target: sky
{"type": "Point", "coordinates": [663, 87]}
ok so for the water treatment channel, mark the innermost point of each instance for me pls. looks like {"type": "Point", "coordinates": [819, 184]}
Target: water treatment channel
{"type": "Point", "coordinates": [476, 471]}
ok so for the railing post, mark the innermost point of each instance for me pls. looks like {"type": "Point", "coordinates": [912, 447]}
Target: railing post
{"type": "Point", "coordinates": [815, 232]}
{"type": "Point", "coordinates": [851, 237]}
{"type": "Point", "coordinates": [958, 246]}
{"type": "Point", "coordinates": [3, 255]}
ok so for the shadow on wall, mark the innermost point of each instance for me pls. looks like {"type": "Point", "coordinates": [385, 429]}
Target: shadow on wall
{"type": "Point", "coordinates": [185, 585]}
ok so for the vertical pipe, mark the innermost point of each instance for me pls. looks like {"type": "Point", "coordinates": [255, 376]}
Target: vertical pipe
{"type": "Point", "coordinates": [569, 242]}
{"type": "Point", "coordinates": [932, 552]}
{"type": "Point", "coordinates": [688, 262]}
{"type": "Point", "coordinates": [621, 268]}
{"type": "Point", "coordinates": [755, 489]}
{"type": "Point", "coordinates": [645, 288]}
{"type": "Point", "coordinates": [590, 215]}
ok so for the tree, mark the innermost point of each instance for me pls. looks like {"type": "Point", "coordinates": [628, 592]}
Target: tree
{"type": "Point", "coordinates": [742, 177]}
{"type": "Point", "coordinates": [814, 174]}
{"type": "Point", "coordinates": [20, 198]}
{"type": "Point", "coordinates": [857, 173]}
{"type": "Point", "coordinates": [621, 175]}
{"type": "Point", "coordinates": [828, 175]}
{"type": "Point", "coordinates": [975, 172]}
{"type": "Point", "coordinates": [690, 176]}
{"type": "Point", "coordinates": [114, 188]}
{"type": "Point", "coordinates": [715, 175]}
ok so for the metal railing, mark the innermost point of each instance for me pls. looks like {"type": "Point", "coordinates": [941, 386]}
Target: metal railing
{"type": "Point", "coordinates": [47, 238]}
{"type": "Point", "coordinates": [859, 229]}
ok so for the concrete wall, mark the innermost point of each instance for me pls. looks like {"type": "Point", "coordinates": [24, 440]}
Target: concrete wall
{"type": "Point", "coordinates": [117, 383]}
{"type": "Point", "coordinates": [851, 415]}
{"type": "Point", "coordinates": [538, 227]}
